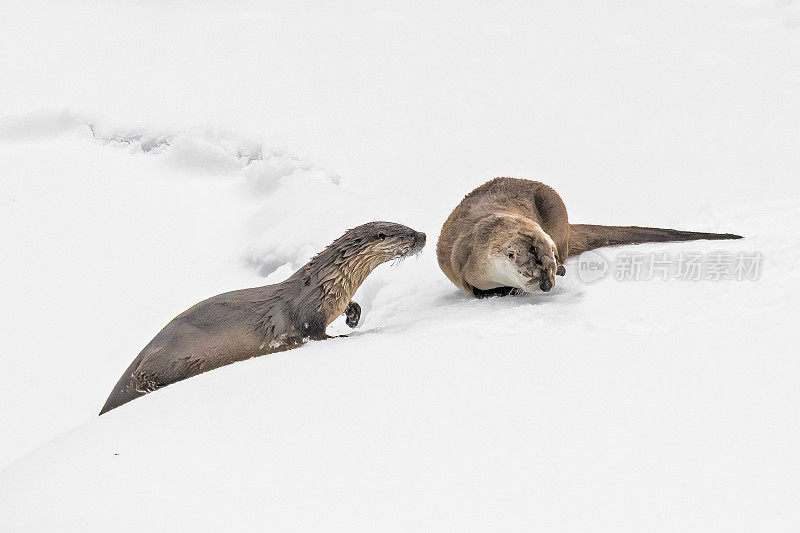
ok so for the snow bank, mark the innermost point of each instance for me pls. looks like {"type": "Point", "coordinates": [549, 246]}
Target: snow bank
{"type": "Point", "coordinates": [622, 400]}
{"type": "Point", "coordinates": [219, 146]}
{"type": "Point", "coordinates": [451, 414]}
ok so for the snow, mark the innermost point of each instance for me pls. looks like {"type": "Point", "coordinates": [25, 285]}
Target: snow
{"type": "Point", "coordinates": [154, 154]}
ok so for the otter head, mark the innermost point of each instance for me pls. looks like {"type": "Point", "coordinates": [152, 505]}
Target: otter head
{"type": "Point", "coordinates": [523, 256]}
{"type": "Point", "coordinates": [337, 271]}
{"type": "Point", "coordinates": [377, 242]}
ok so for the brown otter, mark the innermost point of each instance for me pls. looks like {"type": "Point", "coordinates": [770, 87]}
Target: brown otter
{"type": "Point", "coordinates": [238, 325]}
{"type": "Point", "coordinates": [512, 235]}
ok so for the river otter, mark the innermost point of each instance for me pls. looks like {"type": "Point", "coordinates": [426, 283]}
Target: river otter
{"type": "Point", "coordinates": [512, 235]}
{"type": "Point", "coordinates": [246, 323]}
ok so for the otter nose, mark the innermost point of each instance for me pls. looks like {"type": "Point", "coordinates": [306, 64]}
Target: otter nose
{"type": "Point", "coordinates": [545, 284]}
{"type": "Point", "coordinates": [419, 239]}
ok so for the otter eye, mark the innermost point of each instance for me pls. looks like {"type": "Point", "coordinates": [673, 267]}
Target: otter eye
{"type": "Point", "coordinates": [511, 255]}
{"type": "Point", "coordinates": [382, 236]}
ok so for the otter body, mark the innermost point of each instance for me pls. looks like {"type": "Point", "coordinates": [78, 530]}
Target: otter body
{"type": "Point", "coordinates": [513, 235]}
{"type": "Point", "coordinates": [241, 324]}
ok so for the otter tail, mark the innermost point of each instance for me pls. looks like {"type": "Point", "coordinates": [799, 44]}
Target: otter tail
{"type": "Point", "coordinates": [583, 237]}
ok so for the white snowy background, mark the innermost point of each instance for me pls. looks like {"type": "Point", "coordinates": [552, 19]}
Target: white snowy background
{"type": "Point", "coordinates": [153, 154]}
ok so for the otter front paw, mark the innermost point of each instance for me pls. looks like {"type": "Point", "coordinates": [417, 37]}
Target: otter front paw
{"type": "Point", "coordinates": [560, 271]}
{"type": "Point", "coordinates": [353, 313]}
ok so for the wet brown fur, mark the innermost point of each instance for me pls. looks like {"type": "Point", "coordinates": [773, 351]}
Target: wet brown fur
{"type": "Point", "coordinates": [247, 323]}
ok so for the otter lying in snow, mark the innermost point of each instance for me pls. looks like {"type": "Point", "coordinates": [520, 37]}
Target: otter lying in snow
{"type": "Point", "coordinates": [513, 235]}
{"type": "Point", "coordinates": [247, 323]}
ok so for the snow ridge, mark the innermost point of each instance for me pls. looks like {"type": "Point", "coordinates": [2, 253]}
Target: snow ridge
{"type": "Point", "coordinates": [265, 174]}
